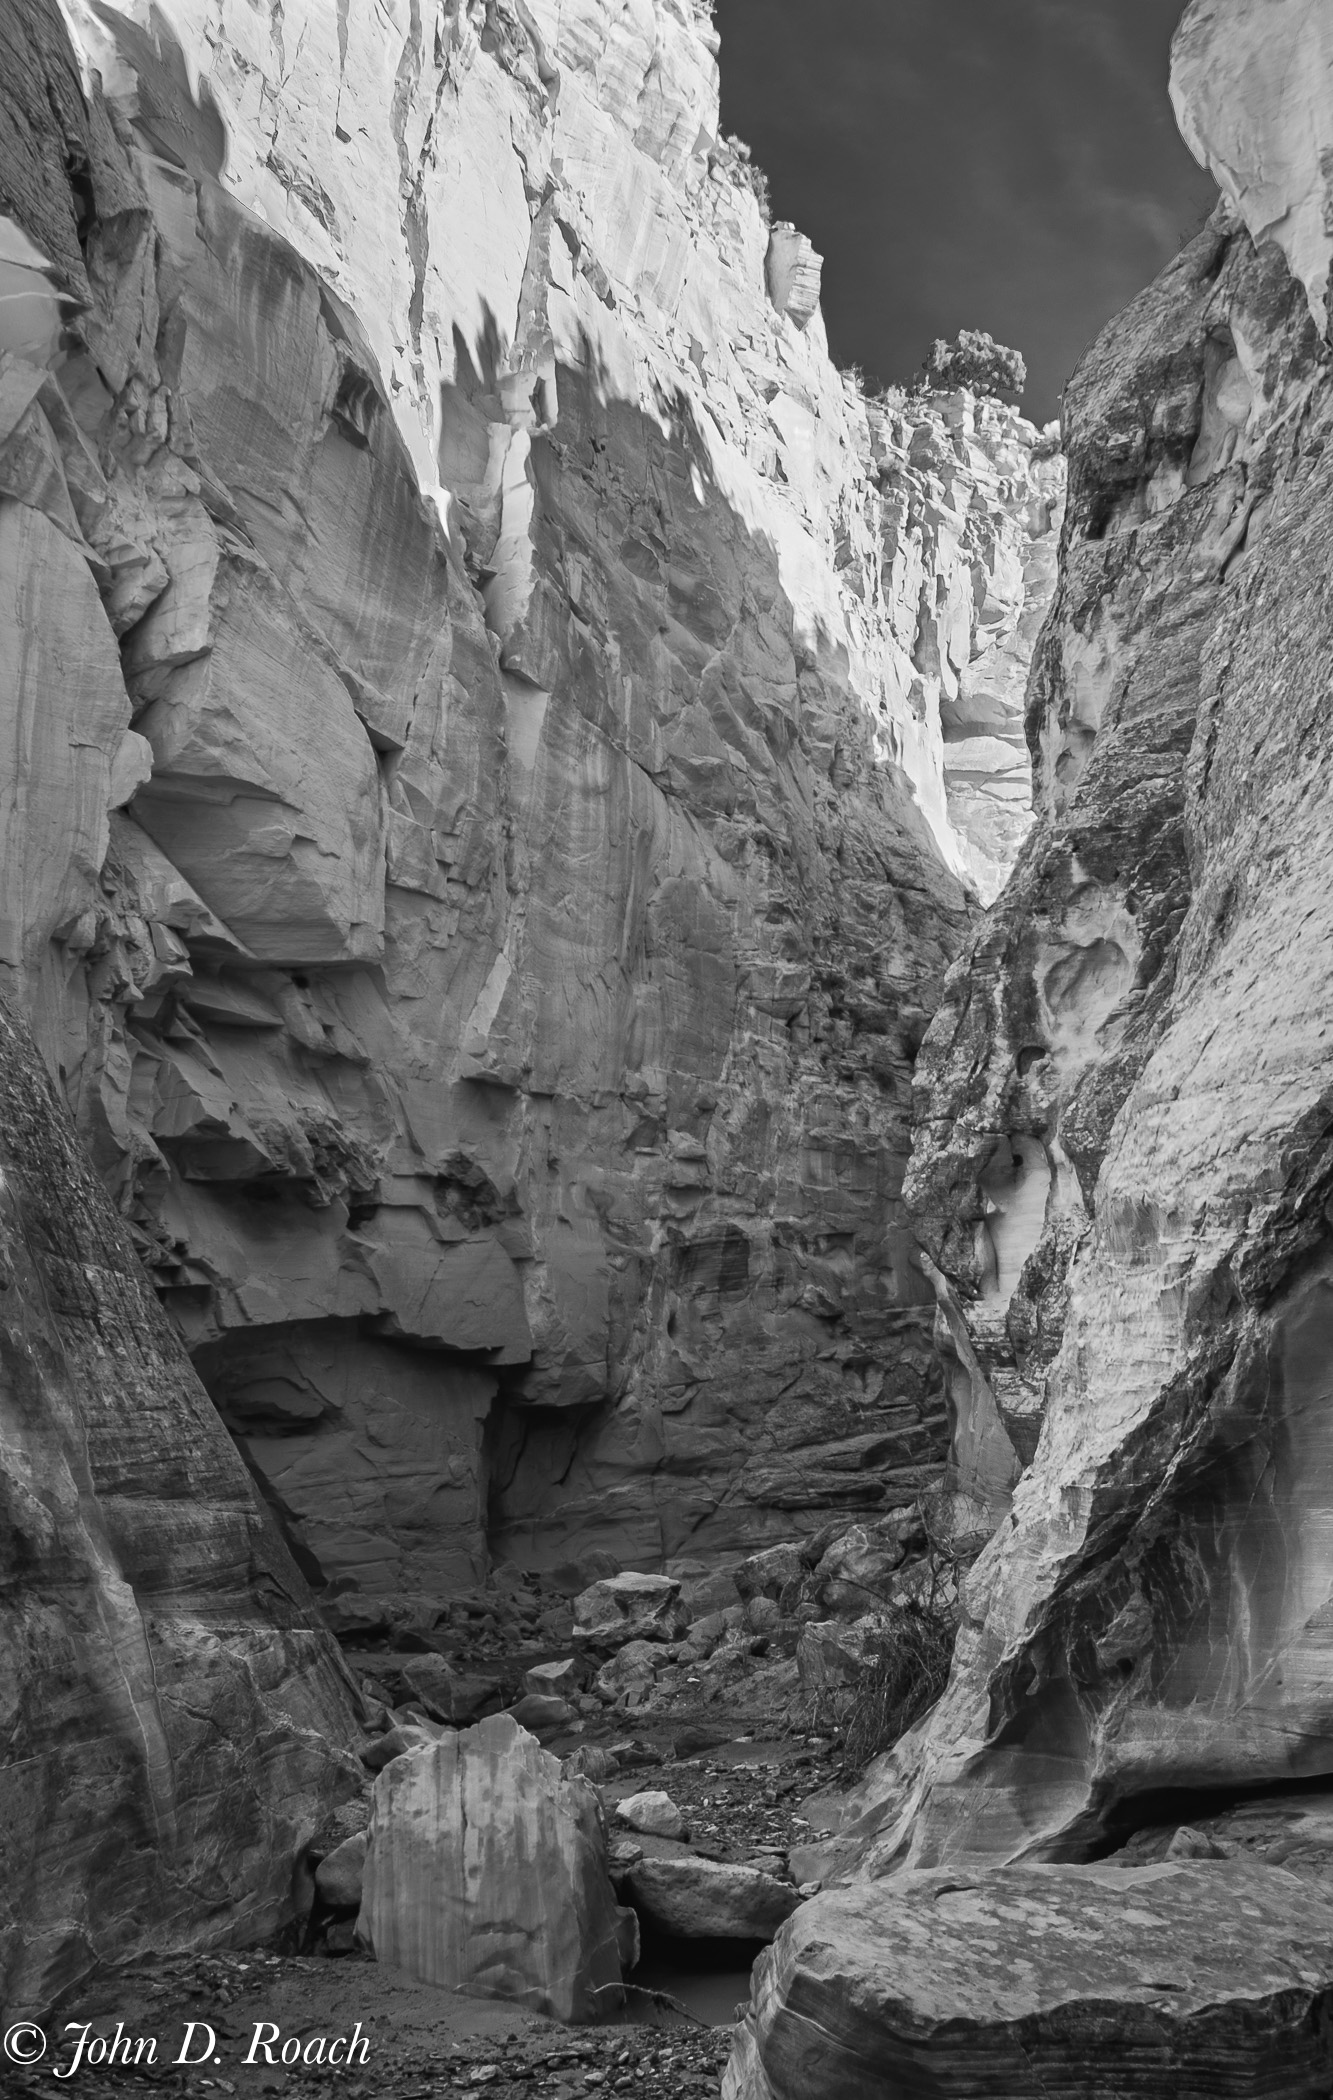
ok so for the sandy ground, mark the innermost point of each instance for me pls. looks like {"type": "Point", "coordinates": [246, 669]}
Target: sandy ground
{"type": "Point", "coordinates": [410, 2041]}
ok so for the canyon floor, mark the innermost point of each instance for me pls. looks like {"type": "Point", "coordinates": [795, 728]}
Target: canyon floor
{"type": "Point", "coordinates": [672, 2037]}
{"type": "Point", "coordinates": [738, 1761]}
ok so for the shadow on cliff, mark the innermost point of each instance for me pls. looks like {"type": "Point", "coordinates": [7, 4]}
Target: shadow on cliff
{"type": "Point", "coordinates": [753, 974]}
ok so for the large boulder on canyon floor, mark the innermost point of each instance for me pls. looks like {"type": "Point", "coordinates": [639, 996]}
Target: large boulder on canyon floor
{"type": "Point", "coordinates": [486, 1872]}
{"type": "Point", "coordinates": [1079, 1983]}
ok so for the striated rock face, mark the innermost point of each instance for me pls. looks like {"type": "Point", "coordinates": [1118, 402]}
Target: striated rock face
{"type": "Point", "coordinates": [1123, 1171]}
{"type": "Point", "coordinates": [486, 1872]}
{"type": "Point", "coordinates": [171, 1715]}
{"type": "Point", "coordinates": [1252, 86]}
{"type": "Point", "coordinates": [486, 855]}
{"type": "Point", "coordinates": [973, 503]}
{"type": "Point", "coordinates": [1081, 1983]}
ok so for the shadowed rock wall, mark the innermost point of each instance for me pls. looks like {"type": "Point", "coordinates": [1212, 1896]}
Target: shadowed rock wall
{"type": "Point", "coordinates": [484, 864]}
{"type": "Point", "coordinates": [172, 1711]}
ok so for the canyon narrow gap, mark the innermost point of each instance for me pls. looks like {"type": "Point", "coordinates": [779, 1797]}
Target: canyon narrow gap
{"type": "Point", "coordinates": [664, 1191]}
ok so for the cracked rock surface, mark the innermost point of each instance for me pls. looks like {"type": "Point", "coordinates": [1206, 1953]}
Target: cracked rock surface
{"type": "Point", "coordinates": [1082, 1983]}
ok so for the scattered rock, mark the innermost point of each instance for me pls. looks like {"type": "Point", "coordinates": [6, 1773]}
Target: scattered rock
{"type": "Point", "coordinates": [590, 1761]}
{"type": "Point", "coordinates": [462, 1833]}
{"type": "Point", "coordinates": [396, 1742]}
{"type": "Point", "coordinates": [704, 1636]}
{"type": "Point", "coordinates": [1192, 1844]}
{"type": "Point", "coordinates": [709, 1899]}
{"type": "Point", "coordinates": [690, 1741]}
{"type": "Point", "coordinates": [769, 1573]}
{"type": "Point", "coordinates": [831, 1653]}
{"type": "Point", "coordinates": [654, 1814]}
{"type": "Point", "coordinates": [543, 1714]}
{"type": "Point", "coordinates": [338, 1877]}
{"type": "Point", "coordinates": [559, 1680]}
{"type": "Point", "coordinates": [636, 1664]}
{"type": "Point", "coordinates": [763, 1615]}
{"type": "Point", "coordinates": [629, 1608]}
{"type": "Point", "coordinates": [445, 1695]}
{"type": "Point", "coordinates": [855, 1570]}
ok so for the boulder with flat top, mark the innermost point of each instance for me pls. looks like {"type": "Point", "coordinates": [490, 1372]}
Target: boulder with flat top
{"type": "Point", "coordinates": [1184, 1980]}
{"type": "Point", "coordinates": [486, 1872]}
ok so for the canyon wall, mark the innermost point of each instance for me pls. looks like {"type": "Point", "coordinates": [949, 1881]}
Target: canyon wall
{"type": "Point", "coordinates": [1123, 1168]}
{"type": "Point", "coordinates": [175, 1721]}
{"type": "Point", "coordinates": [505, 741]}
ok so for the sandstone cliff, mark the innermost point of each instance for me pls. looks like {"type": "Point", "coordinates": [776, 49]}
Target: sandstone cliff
{"type": "Point", "coordinates": [172, 1711]}
{"type": "Point", "coordinates": [1123, 1168]}
{"type": "Point", "coordinates": [501, 734]}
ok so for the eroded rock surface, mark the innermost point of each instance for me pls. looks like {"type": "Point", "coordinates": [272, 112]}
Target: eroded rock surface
{"type": "Point", "coordinates": [1078, 1983]}
{"type": "Point", "coordinates": [486, 1871]}
{"type": "Point", "coordinates": [489, 843]}
{"type": "Point", "coordinates": [174, 1721]}
{"type": "Point", "coordinates": [1124, 1170]}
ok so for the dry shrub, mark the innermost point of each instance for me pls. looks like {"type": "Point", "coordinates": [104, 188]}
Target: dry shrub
{"type": "Point", "coordinates": [907, 1668]}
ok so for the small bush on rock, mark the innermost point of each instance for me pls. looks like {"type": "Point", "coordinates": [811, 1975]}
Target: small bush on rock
{"type": "Point", "coordinates": [975, 360]}
{"type": "Point", "coordinates": [907, 1667]}
{"type": "Point", "coordinates": [744, 170]}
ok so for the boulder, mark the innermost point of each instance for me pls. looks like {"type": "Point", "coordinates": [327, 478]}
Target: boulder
{"type": "Point", "coordinates": [590, 1761]}
{"type": "Point", "coordinates": [704, 1588]}
{"type": "Point", "coordinates": [445, 1694]}
{"type": "Point", "coordinates": [487, 1872]}
{"type": "Point", "coordinates": [558, 1679]}
{"type": "Point", "coordinates": [395, 1742]}
{"type": "Point", "coordinates": [543, 1714]}
{"type": "Point", "coordinates": [697, 1738]}
{"type": "Point", "coordinates": [857, 1568]}
{"type": "Point", "coordinates": [763, 1615]}
{"type": "Point", "coordinates": [831, 1654]}
{"type": "Point", "coordinates": [338, 1877]}
{"type": "Point", "coordinates": [653, 1814]}
{"type": "Point", "coordinates": [769, 1573]}
{"type": "Point", "coordinates": [637, 1663]}
{"type": "Point", "coordinates": [706, 1899]}
{"type": "Point", "coordinates": [349, 1819]}
{"type": "Point", "coordinates": [630, 1608]}
{"type": "Point", "coordinates": [703, 1637]}
{"type": "Point", "coordinates": [1180, 1981]}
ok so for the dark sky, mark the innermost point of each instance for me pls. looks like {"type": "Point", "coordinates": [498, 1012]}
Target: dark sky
{"type": "Point", "coordinates": [1002, 164]}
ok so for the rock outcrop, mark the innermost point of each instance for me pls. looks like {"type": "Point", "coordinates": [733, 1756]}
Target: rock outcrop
{"type": "Point", "coordinates": [173, 1720]}
{"type": "Point", "coordinates": [501, 731]}
{"type": "Point", "coordinates": [486, 1871]}
{"type": "Point", "coordinates": [1123, 1172]}
{"type": "Point", "coordinates": [1078, 1983]}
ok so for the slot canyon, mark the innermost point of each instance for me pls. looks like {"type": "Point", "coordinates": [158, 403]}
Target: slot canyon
{"type": "Point", "coordinates": [666, 1034]}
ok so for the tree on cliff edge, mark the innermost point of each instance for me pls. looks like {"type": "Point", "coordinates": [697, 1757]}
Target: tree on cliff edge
{"type": "Point", "coordinates": [974, 359]}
